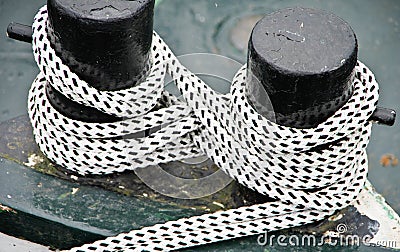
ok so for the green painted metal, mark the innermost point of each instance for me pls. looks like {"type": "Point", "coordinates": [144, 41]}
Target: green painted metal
{"type": "Point", "coordinates": [95, 211]}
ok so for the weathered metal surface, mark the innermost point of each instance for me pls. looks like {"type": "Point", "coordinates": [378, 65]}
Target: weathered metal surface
{"type": "Point", "coordinates": [374, 205]}
{"type": "Point", "coordinates": [17, 144]}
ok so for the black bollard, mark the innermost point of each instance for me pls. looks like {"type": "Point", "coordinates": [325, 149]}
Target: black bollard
{"type": "Point", "coordinates": [106, 43]}
{"type": "Point", "coordinates": [304, 59]}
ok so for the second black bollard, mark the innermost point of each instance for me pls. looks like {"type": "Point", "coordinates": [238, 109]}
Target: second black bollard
{"type": "Point", "coordinates": [303, 60]}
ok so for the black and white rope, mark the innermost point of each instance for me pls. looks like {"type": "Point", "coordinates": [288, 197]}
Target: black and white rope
{"type": "Point", "coordinates": [310, 173]}
{"type": "Point", "coordinates": [91, 148]}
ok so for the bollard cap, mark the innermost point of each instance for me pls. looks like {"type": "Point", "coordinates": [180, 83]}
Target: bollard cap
{"type": "Point", "coordinates": [107, 43]}
{"type": "Point", "coordinates": [304, 59]}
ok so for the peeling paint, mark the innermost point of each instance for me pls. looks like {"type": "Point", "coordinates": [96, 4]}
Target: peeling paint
{"type": "Point", "coordinates": [374, 205]}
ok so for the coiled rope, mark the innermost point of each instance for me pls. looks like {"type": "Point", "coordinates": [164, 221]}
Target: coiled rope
{"type": "Point", "coordinates": [91, 148]}
{"type": "Point", "coordinates": [310, 173]}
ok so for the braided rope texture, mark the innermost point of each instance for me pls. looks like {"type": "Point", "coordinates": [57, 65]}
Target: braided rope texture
{"type": "Point", "coordinates": [90, 148]}
{"type": "Point", "coordinates": [310, 173]}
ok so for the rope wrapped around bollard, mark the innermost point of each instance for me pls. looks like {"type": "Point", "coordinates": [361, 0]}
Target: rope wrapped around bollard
{"type": "Point", "coordinates": [308, 183]}
{"type": "Point", "coordinates": [72, 143]}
